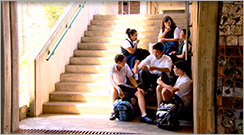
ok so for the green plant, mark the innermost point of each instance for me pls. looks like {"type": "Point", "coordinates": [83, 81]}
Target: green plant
{"type": "Point", "coordinates": [53, 12]}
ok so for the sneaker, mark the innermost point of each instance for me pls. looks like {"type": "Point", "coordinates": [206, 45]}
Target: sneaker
{"type": "Point", "coordinates": [112, 117]}
{"type": "Point", "coordinates": [147, 120]}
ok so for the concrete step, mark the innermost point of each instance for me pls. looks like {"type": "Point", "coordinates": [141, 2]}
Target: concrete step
{"type": "Point", "coordinates": [83, 77]}
{"type": "Point", "coordinates": [67, 96]}
{"type": "Point", "coordinates": [91, 69]}
{"type": "Point", "coordinates": [122, 28]}
{"type": "Point", "coordinates": [82, 87]}
{"type": "Point", "coordinates": [135, 22]}
{"type": "Point", "coordinates": [105, 46]}
{"type": "Point", "coordinates": [95, 53]}
{"type": "Point", "coordinates": [91, 60]}
{"type": "Point", "coordinates": [120, 34]}
{"type": "Point", "coordinates": [114, 40]}
{"type": "Point", "coordinates": [95, 108]}
{"type": "Point", "coordinates": [135, 17]}
{"type": "Point", "coordinates": [92, 108]}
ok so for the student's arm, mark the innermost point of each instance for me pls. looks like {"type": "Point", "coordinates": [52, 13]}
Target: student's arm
{"type": "Point", "coordinates": [120, 92]}
{"type": "Point", "coordinates": [172, 89]}
{"type": "Point", "coordinates": [133, 81]}
{"type": "Point", "coordinates": [151, 68]}
{"type": "Point", "coordinates": [133, 50]}
{"type": "Point", "coordinates": [143, 64]}
{"type": "Point", "coordinates": [182, 56]}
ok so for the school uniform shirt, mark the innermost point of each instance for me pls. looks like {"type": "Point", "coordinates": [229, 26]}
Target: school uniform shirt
{"type": "Point", "coordinates": [184, 84]}
{"type": "Point", "coordinates": [176, 33]}
{"type": "Point", "coordinates": [184, 46]}
{"type": "Point", "coordinates": [126, 44]}
{"type": "Point", "coordinates": [120, 76]}
{"type": "Point", "coordinates": [164, 62]}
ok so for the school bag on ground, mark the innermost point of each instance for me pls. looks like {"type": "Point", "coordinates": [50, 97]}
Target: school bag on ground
{"type": "Point", "coordinates": [167, 115]}
{"type": "Point", "coordinates": [123, 110]}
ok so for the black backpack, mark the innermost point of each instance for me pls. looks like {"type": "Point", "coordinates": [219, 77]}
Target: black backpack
{"type": "Point", "coordinates": [167, 115]}
{"type": "Point", "coordinates": [123, 110]}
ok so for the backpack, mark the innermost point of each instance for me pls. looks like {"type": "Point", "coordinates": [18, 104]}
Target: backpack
{"type": "Point", "coordinates": [123, 110]}
{"type": "Point", "coordinates": [167, 116]}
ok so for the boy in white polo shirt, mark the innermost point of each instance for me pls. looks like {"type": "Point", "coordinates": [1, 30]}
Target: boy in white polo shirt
{"type": "Point", "coordinates": [153, 66]}
{"type": "Point", "coordinates": [117, 78]}
{"type": "Point", "coordinates": [182, 90]}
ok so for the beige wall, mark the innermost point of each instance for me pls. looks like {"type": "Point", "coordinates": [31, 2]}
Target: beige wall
{"type": "Point", "coordinates": [47, 73]}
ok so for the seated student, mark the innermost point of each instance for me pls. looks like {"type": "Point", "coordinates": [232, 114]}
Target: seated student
{"type": "Point", "coordinates": [182, 90]}
{"type": "Point", "coordinates": [153, 66]}
{"type": "Point", "coordinates": [180, 55]}
{"type": "Point", "coordinates": [117, 77]}
{"type": "Point", "coordinates": [169, 35]}
{"type": "Point", "coordinates": [128, 48]}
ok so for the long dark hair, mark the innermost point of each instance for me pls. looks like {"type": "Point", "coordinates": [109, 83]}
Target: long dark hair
{"type": "Point", "coordinates": [130, 32]}
{"type": "Point", "coordinates": [166, 19]}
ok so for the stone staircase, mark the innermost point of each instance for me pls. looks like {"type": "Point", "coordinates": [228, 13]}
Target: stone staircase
{"type": "Point", "coordinates": [83, 87]}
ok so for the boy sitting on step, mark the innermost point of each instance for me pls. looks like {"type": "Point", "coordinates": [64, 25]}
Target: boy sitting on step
{"type": "Point", "coordinates": [117, 78]}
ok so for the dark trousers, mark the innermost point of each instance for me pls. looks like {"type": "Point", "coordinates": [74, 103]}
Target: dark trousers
{"type": "Point", "coordinates": [149, 80]}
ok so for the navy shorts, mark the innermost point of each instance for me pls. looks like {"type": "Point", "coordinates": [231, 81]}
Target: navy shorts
{"type": "Point", "coordinates": [179, 100]}
{"type": "Point", "coordinates": [129, 92]}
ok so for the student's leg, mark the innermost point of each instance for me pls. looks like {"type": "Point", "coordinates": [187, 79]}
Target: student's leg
{"type": "Point", "coordinates": [142, 106]}
{"type": "Point", "coordinates": [158, 93]}
{"type": "Point", "coordinates": [141, 102]}
{"type": "Point", "coordinates": [167, 95]}
{"type": "Point", "coordinates": [145, 77]}
{"type": "Point", "coordinates": [114, 95]}
{"type": "Point", "coordinates": [136, 69]}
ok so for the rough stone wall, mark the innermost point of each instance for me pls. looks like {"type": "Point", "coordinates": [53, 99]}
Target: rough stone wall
{"type": "Point", "coordinates": [229, 95]}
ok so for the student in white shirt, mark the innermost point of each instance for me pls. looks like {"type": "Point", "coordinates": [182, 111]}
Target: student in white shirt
{"type": "Point", "coordinates": [153, 66]}
{"type": "Point", "coordinates": [128, 48]}
{"type": "Point", "coordinates": [181, 54]}
{"type": "Point", "coordinates": [169, 35]}
{"type": "Point", "coordinates": [182, 90]}
{"type": "Point", "coordinates": [117, 78]}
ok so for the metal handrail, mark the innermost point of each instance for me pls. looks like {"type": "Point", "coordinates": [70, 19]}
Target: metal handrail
{"type": "Point", "coordinates": [63, 34]}
{"type": "Point", "coordinates": [187, 27]}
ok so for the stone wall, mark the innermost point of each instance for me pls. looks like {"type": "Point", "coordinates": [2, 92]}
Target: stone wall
{"type": "Point", "coordinates": [229, 95]}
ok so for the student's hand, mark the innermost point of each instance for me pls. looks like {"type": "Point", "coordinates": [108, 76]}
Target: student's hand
{"type": "Point", "coordinates": [143, 67]}
{"type": "Point", "coordinates": [159, 81]}
{"type": "Point", "coordinates": [173, 52]}
{"type": "Point", "coordinates": [151, 68]}
{"type": "Point", "coordinates": [141, 90]}
{"type": "Point", "coordinates": [167, 29]}
{"type": "Point", "coordinates": [137, 41]}
{"type": "Point", "coordinates": [120, 93]}
{"type": "Point", "coordinates": [163, 40]}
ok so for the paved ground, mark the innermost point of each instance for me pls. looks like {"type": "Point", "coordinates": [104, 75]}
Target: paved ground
{"type": "Point", "coordinates": [97, 123]}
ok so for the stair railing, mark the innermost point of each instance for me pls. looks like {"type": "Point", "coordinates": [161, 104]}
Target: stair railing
{"type": "Point", "coordinates": [41, 69]}
{"type": "Point", "coordinates": [50, 53]}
